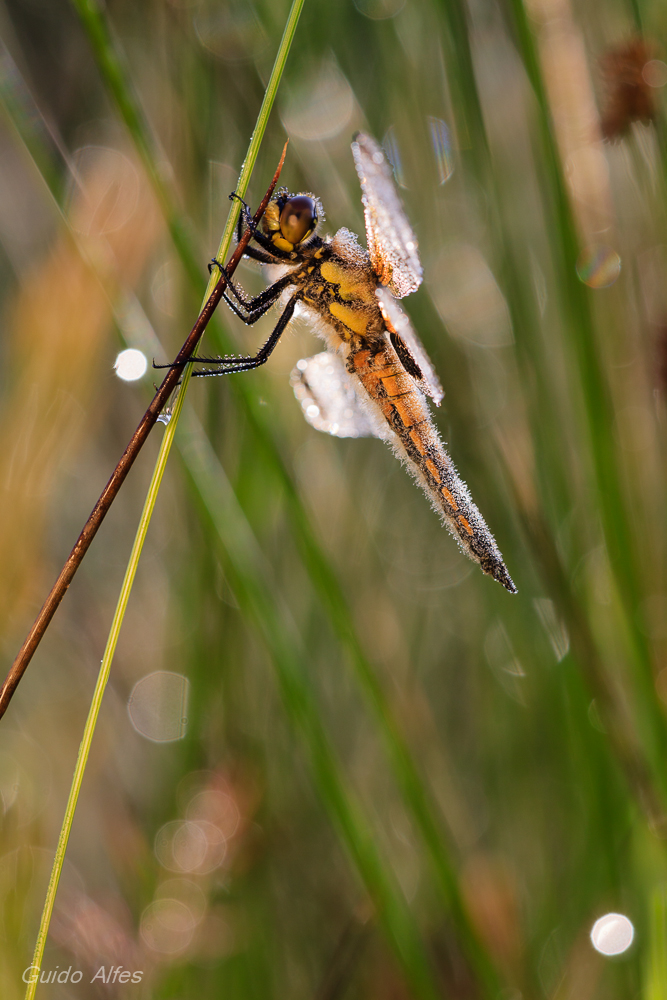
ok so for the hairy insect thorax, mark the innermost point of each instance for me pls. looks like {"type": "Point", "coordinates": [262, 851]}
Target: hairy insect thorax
{"type": "Point", "coordinates": [334, 277]}
{"type": "Point", "coordinates": [337, 282]}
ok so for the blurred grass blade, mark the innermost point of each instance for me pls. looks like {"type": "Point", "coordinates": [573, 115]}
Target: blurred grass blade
{"type": "Point", "coordinates": [598, 408]}
{"type": "Point", "coordinates": [116, 76]}
{"type": "Point", "coordinates": [656, 975]}
{"type": "Point", "coordinates": [551, 459]}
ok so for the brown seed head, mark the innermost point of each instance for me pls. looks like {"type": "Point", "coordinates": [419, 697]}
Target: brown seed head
{"type": "Point", "coordinates": [629, 97]}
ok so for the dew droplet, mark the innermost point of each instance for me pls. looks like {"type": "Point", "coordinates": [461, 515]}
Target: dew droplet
{"type": "Point", "coordinates": [598, 266]}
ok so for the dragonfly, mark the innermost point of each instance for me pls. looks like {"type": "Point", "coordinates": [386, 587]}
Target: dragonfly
{"type": "Point", "coordinates": [374, 378]}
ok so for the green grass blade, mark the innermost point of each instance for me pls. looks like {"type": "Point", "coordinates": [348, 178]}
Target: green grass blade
{"type": "Point", "coordinates": [553, 474]}
{"type": "Point", "coordinates": [656, 979]}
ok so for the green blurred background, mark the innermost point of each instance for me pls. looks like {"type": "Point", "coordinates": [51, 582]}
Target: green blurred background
{"type": "Point", "coordinates": [351, 766]}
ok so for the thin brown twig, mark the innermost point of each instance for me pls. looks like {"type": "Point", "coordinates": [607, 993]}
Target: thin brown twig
{"type": "Point", "coordinates": [119, 474]}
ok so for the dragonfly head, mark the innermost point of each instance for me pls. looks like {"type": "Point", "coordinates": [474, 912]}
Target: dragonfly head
{"type": "Point", "coordinates": [291, 219]}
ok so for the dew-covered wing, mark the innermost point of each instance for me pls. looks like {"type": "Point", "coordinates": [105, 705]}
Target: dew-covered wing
{"type": "Point", "coordinates": [392, 245]}
{"type": "Point", "coordinates": [409, 347]}
{"type": "Point", "coordinates": [329, 399]}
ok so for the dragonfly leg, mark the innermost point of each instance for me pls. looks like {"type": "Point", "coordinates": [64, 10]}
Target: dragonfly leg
{"type": "Point", "coordinates": [245, 209]}
{"type": "Point", "coordinates": [261, 255]}
{"type": "Point", "coordinates": [256, 305]}
{"type": "Point", "coordinates": [228, 366]}
{"type": "Point", "coordinates": [269, 254]}
{"type": "Point", "coordinates": [252, 315]}
{"type": "Point", "coordinates": [245, 216]}
{"type": "Point", "coordinates": [238, 292]}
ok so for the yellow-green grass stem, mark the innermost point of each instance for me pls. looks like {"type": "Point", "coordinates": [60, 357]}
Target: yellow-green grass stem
{"type": "Point", "coordinates": [151, 498]}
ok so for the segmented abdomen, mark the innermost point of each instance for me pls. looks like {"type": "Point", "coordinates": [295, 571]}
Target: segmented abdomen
{"type": "Point", "coordinates": [417, 442]}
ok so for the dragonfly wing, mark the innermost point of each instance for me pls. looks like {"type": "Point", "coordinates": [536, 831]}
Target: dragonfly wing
{"type": "Point", "coordinates": [409, 347]}
{"type": "Point", "coordinates": [392, 245]}
{"type": "Point", "coordinates": [330, 400]}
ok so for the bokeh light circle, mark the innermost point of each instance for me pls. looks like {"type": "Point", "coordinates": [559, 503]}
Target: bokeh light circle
{"type": "Point", "coordinates": [131, 364]}
{"type": "Point", "coordinates": [111, 187]}
{"type": "Point", "coordinates": [186, 892]}
{"type": "Point", "coordinates": [167, 926]}
{"type": "Point", "coordinates": [654, 73]}
{"type": "Point", "coordinates": [379, 10]}
{"type": "Point", "coordinates": [188, 846]}
{"type": "Point", "coordinates": [321, 105]}
{"type": "Point", "coordinates": [158, 706]}
{"type": "Point", "coordinates": [216, 807]}
{"type": "Point", "coordinates": [598, 266]}
{"type": "Point", "coordinates": [612, 934]}
{"type": "Point", "coordinates": [231, 31]}
{"type": "Point", "coordinates": [180, 847]}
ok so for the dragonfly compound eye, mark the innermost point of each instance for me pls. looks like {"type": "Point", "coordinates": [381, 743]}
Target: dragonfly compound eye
{"type": "Point", "coordinates": [298, 219]}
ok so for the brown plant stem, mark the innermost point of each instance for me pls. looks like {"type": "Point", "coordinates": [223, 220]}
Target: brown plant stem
{"type": "Point", "coordinates": [119, 474]}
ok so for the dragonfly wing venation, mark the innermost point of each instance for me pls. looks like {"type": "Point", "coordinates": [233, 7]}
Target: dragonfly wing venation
{"type": "Point", "coordinates": [392, 244]}
{"type": "Point", "coordinates": [331, 400]}
{"type": "Point", "coordinates": [409, 347]}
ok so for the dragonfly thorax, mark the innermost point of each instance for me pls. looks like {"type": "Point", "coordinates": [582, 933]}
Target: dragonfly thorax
{"type": "Point", "coordinates": [337, 282]}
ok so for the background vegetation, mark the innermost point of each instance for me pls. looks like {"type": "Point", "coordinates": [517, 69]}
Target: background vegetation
{"type": "Point", "coordinates": [371, 771]}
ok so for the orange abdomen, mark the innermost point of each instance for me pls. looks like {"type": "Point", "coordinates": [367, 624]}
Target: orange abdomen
{"type": "Point", "coordinates": [417, 441]}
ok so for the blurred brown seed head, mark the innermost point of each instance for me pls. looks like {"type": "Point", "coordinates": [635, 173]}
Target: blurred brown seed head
{"type": "Point", "coordinates": [661, 358]}
{"type": "Point", "coordinates": [629, 97]}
